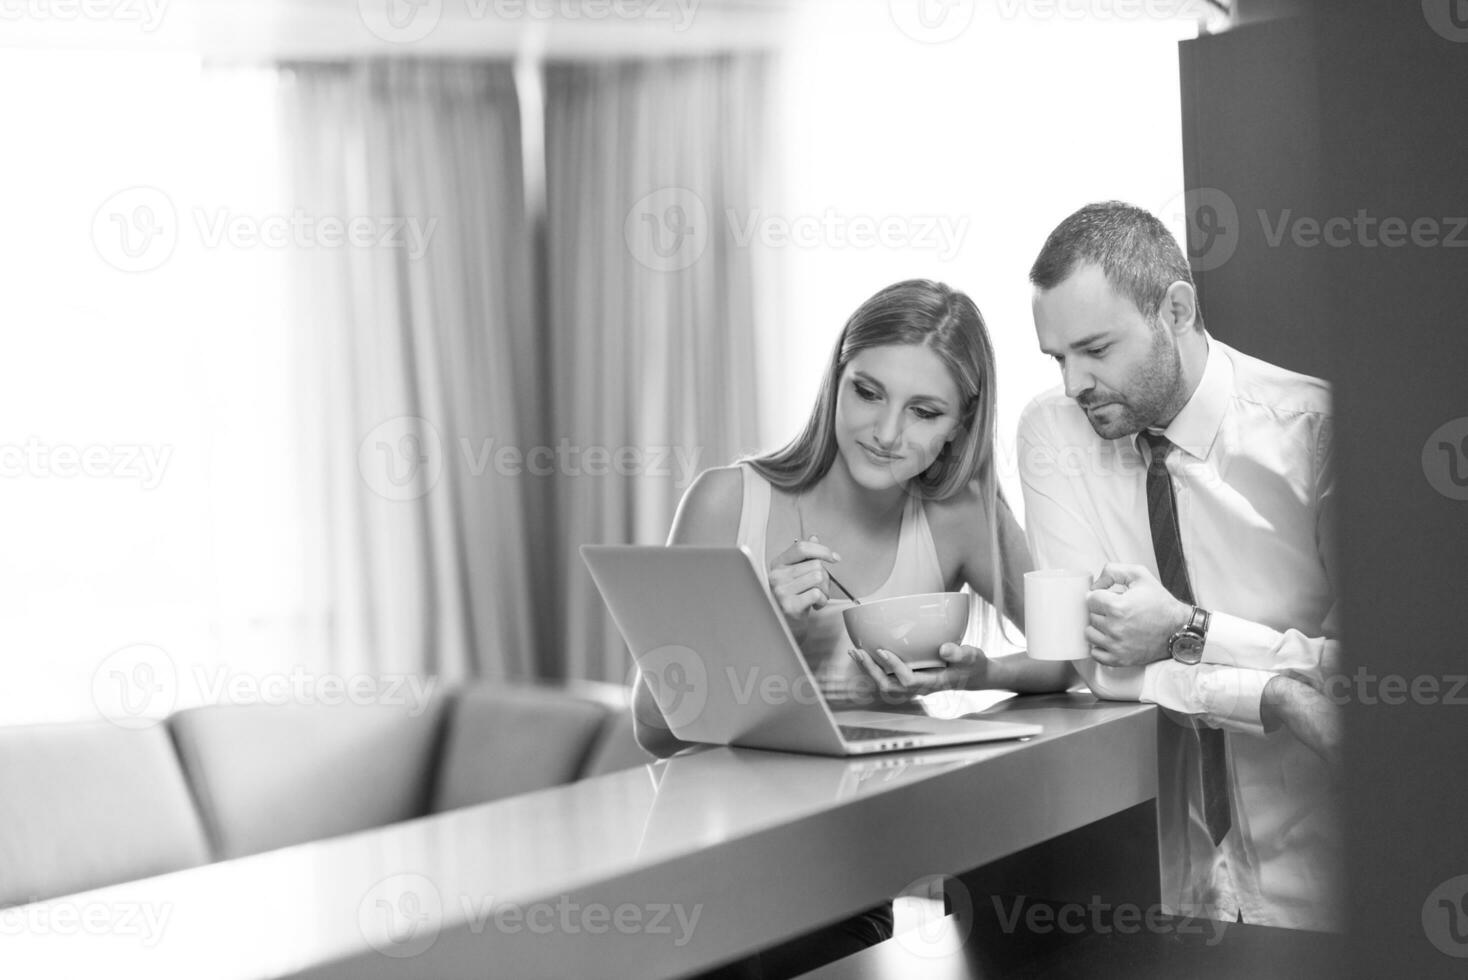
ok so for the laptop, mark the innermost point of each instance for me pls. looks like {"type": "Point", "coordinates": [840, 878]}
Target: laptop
{"type": "Point", "coordinates": [721, 662]}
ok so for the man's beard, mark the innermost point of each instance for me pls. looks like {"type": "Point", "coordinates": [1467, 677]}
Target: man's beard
{"type": "Point", "coordinates": [1152, 398]}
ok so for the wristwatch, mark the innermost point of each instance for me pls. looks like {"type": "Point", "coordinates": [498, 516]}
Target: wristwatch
{"type": "Point", "coordinates": [1186, 645]}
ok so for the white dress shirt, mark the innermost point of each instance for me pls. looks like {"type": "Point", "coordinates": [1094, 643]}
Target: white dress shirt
{"type": "Point", "coordinates": [1252, 478]}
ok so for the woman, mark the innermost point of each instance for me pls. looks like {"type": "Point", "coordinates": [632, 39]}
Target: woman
{"type": "Point", "coordinates": [892, 485]}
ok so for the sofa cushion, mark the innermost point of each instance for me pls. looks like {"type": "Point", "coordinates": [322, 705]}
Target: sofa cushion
{"type": "Point", "coordinates": [266, 776]}
{"type": "Point", "coordinates": [91, 804]}
{"type": "Point", "coordinates": [616, 747]}
{"type": "Point", "coordinates": [507, 740]}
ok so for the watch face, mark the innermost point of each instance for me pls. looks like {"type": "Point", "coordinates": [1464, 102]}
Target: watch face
{"type": "Point", "coordinates": [1187, 647]}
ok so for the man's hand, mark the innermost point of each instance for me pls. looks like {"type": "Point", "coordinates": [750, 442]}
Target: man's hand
{"type": "Point", "coordinates": [1132, 617]}
{"type": "Point", "coordinates": [1307, 713]}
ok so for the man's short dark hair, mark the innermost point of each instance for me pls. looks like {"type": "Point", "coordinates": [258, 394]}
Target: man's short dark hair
{"type": "Point", "coordinates": [1137, 253]}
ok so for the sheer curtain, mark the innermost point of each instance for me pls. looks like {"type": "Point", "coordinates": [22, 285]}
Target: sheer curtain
{"type": "Point", "coordinates": [653, 295]}
{"type": "Point", "coordinates": [418, 362]}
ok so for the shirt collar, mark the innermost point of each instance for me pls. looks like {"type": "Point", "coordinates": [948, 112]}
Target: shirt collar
{"type": "Point", "coordinates": [1196, 426]}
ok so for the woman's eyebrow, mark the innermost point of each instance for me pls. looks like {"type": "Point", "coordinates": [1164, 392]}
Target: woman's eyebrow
{"type": "Point", "coordinates": [932, 399]}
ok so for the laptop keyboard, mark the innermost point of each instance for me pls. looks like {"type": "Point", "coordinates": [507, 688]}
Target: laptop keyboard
{"type": "Point", "coordinates": [862, 733]}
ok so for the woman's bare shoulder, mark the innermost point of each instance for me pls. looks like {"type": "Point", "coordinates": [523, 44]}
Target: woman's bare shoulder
{"type": "Point", "coordinates": [709, 510]}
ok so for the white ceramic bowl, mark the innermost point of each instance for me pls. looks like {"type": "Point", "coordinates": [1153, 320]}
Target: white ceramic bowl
{"type": "Point", "coordinates": [911, 626]}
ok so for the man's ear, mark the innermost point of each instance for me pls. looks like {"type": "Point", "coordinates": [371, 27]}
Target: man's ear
{"type": "Point", "coordinates": [1180, 308]}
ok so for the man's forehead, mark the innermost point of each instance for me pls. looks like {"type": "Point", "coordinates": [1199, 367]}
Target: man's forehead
{"type": "Point", "coordinates": [1083, 303]}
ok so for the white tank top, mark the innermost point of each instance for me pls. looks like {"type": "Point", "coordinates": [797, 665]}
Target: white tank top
{"type": "Point", "coordinates": [916, 571]}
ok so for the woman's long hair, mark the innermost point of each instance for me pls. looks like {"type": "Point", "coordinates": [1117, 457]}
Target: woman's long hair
{"type": "Point", "coordinates": [946, 321]}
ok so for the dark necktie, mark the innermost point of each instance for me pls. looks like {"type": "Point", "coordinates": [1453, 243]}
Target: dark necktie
{"type": "Point", "coordinates": [1167, 545]}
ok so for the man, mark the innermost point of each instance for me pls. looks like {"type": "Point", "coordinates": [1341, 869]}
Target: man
{"type": "Point", "coordinates": [1197, 481]}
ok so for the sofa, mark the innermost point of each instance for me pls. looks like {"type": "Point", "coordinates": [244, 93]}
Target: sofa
{"type": "Point", "coordinates": [85, 805]}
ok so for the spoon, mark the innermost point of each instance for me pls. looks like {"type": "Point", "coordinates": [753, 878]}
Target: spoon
{"type": "Point", "coordinates": [837, 582]}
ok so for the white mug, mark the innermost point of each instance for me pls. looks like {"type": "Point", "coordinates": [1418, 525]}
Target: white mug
{"type": "Point", "coordinates": [1056, 616]}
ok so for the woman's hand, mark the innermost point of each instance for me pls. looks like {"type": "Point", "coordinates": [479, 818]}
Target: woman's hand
{"type": "Point", "coordinates": [967, 668]}
{"type": "Point", "coordinates": [799, 582]}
